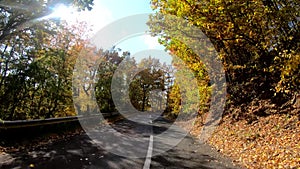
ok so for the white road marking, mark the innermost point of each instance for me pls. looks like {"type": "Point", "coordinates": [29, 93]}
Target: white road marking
{"type": "Point", "coordinates": [149, 154]}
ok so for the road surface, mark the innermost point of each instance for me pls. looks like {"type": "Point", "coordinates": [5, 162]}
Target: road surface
{"type": "Point", "coordinates": [81, 151]}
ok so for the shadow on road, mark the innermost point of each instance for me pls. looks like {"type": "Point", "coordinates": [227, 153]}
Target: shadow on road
{"type": "Point", "coordinates": [80, 151]}
{"type": "Point", "coordinates": [73, 153]}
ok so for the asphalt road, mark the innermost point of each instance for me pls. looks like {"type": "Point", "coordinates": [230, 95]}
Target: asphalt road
{"type": "Point", "coordinates": [150, 148]}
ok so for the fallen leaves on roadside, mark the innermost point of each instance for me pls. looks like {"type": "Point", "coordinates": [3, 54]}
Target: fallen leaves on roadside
{"type": "Point", "coordinates": [270, 142]}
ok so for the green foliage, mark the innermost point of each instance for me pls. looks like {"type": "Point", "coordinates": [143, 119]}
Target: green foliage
{"type": "Point", "coordinates": [37, 60]}
{"type": "Point", "coordinates": [40, 85]}
{"type": "Point", "coordinates": [152, 77]}
{"type": "Point", "coordinates": [108, 64]}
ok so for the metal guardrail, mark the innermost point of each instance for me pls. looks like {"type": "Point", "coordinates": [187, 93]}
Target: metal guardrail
{"type": "Point", "coordinates": [49, 121]}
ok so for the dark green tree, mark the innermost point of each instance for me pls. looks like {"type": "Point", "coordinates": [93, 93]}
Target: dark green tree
{"type": "Point", "coordinates": [36, 62]}
{"type": "Point", "coordinates": [151, 77]}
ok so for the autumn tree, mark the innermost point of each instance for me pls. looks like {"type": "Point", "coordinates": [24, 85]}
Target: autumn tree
{"type": "Point", "coordinates": [107, 66]}
{"type": "Point", "coordinates": [255, 40]}
{"type": "Point", "coordinates": [151, 77]}
{"type": "Point", "coordinates": [36, 61]}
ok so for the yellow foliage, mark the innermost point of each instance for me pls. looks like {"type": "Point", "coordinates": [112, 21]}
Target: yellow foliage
{"type": "Point", "coordinates": [289, 69]}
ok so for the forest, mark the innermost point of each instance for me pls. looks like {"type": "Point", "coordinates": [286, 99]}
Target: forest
{"type": "Point", "coordinates": [37, 65]}
{"type": "Point", "coordinates": [257, 43]}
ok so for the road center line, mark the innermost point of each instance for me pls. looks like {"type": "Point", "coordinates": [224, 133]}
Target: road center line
{"type": "Point", "coordinates": [149, 153]}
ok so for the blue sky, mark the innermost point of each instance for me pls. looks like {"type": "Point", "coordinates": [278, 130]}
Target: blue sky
{"type": "Point", "coordinates": [121, 8]}
{"type": "Point", "coordinates": [105, 12]}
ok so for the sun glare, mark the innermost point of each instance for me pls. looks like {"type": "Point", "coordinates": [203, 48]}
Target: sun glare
{"type": "Point", "coordinates": [61, 11]}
